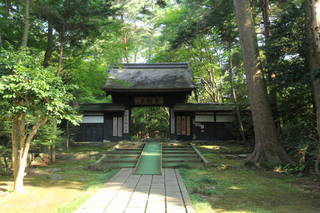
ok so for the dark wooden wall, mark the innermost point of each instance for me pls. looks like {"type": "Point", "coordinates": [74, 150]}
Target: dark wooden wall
{"type": "Point", "coordinates": [211, 131]}
{"type": "Point", "coordinates": [108, 125]}
{"type": "Point", "coordinates": [90, 132]}
{"type": "Point", "coordinates": [215, 131]}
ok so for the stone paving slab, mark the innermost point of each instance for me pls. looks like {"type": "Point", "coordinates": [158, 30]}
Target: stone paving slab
{"type": "Point", "coordinates": [128, 193]}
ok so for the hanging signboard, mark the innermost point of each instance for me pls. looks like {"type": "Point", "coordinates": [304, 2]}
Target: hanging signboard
{"type": "Point", "coordinates": [148, 101]}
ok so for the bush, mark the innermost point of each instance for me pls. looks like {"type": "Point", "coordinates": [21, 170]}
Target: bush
{"type": "Point", "coordinates": [300, 140]}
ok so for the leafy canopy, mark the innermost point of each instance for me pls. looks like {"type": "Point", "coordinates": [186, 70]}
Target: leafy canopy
{"type": "Point", "coordinates": [31, 89]}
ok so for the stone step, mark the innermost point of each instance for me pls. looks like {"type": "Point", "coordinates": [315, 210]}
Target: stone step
{"type": "Point", "coordinates": [125, 152]}
{"type": "Point", "coordinates": [140, 149]}
{"type": "Point", "coordinates": [182, 164]}
{"type": "Point", "coordinates": [123, 156]}
{"type": "Point", "coordinates": [121, 165]}
{"type": "Point", "coordinates": [176, 148]}
{"type": "Point", "coordinates": [168, 146]}
{"type": "Point", "coordinates": [177, 152]}
{"type": "Point", "coordinates": [181, 160]}
{"type": "Point", "coordinates": [180, 156]}
{"type": "Point", "coordinates": [121, 160]}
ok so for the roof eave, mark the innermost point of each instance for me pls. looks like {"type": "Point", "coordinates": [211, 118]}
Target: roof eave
{"type": "Point", "coordinates": [148, 90]}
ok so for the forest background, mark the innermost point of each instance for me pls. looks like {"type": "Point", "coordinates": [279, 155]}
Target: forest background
{"type": "Point", "coordinates": [79, 40]}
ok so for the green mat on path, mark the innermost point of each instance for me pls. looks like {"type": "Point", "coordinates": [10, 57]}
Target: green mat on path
{"type": "Point", "coordinates": [149, 162]}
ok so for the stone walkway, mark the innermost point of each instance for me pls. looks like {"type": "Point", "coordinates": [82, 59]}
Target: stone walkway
{"type": "Point", "coordinates": [128, 193]}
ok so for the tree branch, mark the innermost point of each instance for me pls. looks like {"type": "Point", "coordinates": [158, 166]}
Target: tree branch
{"type": "Point", "coordinates": [32, 133]}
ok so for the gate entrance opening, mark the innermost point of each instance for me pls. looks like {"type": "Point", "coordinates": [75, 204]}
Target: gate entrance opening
{"type": "Point", "coordinates": [136, 88]}
{"type": "Point", "coordinates": [150, 122]}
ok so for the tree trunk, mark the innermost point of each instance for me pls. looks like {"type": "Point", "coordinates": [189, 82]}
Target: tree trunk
{"type": "Point", "coordinates": [26, 21]}
{"type": "Point", "coordinates": [266, 21]}
{"type": "Point", "coordinates": [61, 49]}
{"type": "Point", "coordinates": [52, 153]}
{"type": "Point", "coordinates": [270, 73]}
{"type": "Point", "coordinates": [53, 142]}
{"type": "Point", "coordinates": [235, 101]}
{"type": "Point", "coordinates": [267, 147]}
{"type": "Point", "coordinates": [313, 21]}
{"type": "Point", "coordinates": [20, 148]}
{"type": "Point", "coordinates": [15, 145]}
{"type": "Point", "coordinates": [48, 54]}
{"type": "Point", "coordinates": [6, 164]}
{"type": "Point", "coordinates": [238, 113]}
{"type": "Point", "coordinates": [7, 7]}
{"type": "Point", "coordinates": [18, 138]}
{"type": "Point", "coordinates": [124, 39]}
{"type": "Point", "coordinates": [68, 136]}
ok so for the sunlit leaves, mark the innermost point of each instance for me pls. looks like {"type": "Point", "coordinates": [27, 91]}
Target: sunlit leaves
{"type": "Point", "coordinates": [32, 89]}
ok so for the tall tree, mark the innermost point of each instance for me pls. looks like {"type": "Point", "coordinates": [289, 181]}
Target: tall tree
{"type": "Point", "coordinates": [267, 67]}
{"type": "Point", "coordinates": [77, 23]}
{"type": "Point", "coordinates": [29, 97]}
{"type": "Point", "coordinates": [235, 97]}
{"type": "Point", "coordinates": [267, 147]}
{"type": "Point", "coordinates": [26, 24]}
{"type": "Point", "coordinates": [313, 19]}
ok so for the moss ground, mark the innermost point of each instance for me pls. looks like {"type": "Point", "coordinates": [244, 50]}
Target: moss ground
{"type": "Point", "coordinates": [228, 186]}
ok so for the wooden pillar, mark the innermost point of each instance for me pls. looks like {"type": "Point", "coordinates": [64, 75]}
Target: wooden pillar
{"type": "Point", "coordinates": [172, 124]}
{"type": "Point", "coordinates": [126, 123]}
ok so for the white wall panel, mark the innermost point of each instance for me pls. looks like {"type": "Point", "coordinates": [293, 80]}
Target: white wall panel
{"type": "Point", "coordinates": [224, 118]}
{"type": "Point", "coordinates": [92, 119]}
{"type": "Point", "coordinates": [204, 118]}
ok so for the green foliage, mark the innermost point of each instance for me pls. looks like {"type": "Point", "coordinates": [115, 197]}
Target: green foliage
{"type": "Point", "coordinates": [48, 136]}
{"type": "Point", "coordinates": [287, 51]}
{"type": "Point", "coordinates": [292, 169]}
{"type": "Point", "coordinates": [79, 22]}
{"type": "Point", "coordinates": [200, 17]}
{"type": "Point", "coordinates": [150, 122]}
{"type": "Point", "coordinates": [4, 131]}
{"type": "Point", "coordinates": [88, 65]}
{"type": "Point", "coordinates": [89, 77]}
{"type": "Point", "coordinates": [32, 90]}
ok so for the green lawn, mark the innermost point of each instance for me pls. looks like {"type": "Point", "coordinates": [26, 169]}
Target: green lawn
{"type": "Point", "coordinates": [228, 186]}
